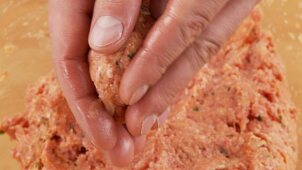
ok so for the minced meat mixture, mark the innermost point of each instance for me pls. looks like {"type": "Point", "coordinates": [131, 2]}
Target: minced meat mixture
{"type": "Point", "coordinates": [236, 114]}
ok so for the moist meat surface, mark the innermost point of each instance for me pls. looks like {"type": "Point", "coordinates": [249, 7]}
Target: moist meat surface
{"type": "Point", "coordinates": [106, 70]}
{"type": "Point", "coordinates": [235, 114]}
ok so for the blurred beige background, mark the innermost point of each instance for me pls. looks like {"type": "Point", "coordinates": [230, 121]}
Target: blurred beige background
{"type": "Point", "coordinates": [25, 53]}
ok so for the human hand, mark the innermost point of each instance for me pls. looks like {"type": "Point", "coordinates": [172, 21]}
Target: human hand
{"type": "Point", "coordinates": [70, 22]}
{"type": "Point", "coordinates": [182, 40]}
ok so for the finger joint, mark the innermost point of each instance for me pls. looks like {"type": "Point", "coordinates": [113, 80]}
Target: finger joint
{"type": "Point", "coordinates": [203, 50]}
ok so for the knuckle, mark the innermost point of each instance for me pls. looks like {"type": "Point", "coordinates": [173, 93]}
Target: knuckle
{"type": "Point", "coordinates": [190, 28]}
{"type": "Point", "coordinates": [213, 47]}
{"type": "Point", "coordinates": [198, 22]}
{"type": "Point", "coordinates": [182, 32]}
{"type": "Point", "coordinates": [202, 52]}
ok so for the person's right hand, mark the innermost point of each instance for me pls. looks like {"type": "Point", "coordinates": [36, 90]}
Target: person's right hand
{"type": "Point", "coordinates": [70, 22]}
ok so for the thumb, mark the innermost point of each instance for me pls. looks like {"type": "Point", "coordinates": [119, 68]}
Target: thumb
{"type": "Point", "coordinates": [112, 23]}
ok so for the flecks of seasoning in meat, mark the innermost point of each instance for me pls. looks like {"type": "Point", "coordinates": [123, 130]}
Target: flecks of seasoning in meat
{"type": "Point", "coordinates": [259, 118]}
{"type": "Point", "coordinates": [280, 117]}
{"type": "Point", "coordinates": [196, 108]}
{"type": "Point", "coordinates": [131, 55]}
{"type": "Point", "coordinates": [224, 151]}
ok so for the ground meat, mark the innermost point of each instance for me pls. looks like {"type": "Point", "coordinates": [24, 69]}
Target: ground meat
{"type": "Point", "coordinates": [236, 114]}
{"type": "Point", "coordinates": [106, 70]}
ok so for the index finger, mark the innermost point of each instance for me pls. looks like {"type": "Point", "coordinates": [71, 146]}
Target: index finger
{"type": "Point", "coordinates": [69, 27]}
{"type": "Point", "coordinates": [180, 24]}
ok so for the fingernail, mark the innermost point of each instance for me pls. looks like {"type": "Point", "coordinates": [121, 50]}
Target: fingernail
{"type": "Point", "coordinates": [138, 94]}
{"type": "Point", "coordinates": [148, 124]}
{"type": "Point", "coordinates": [106, 30]}
{"type": "Point", "coordinates": [163, 117]}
